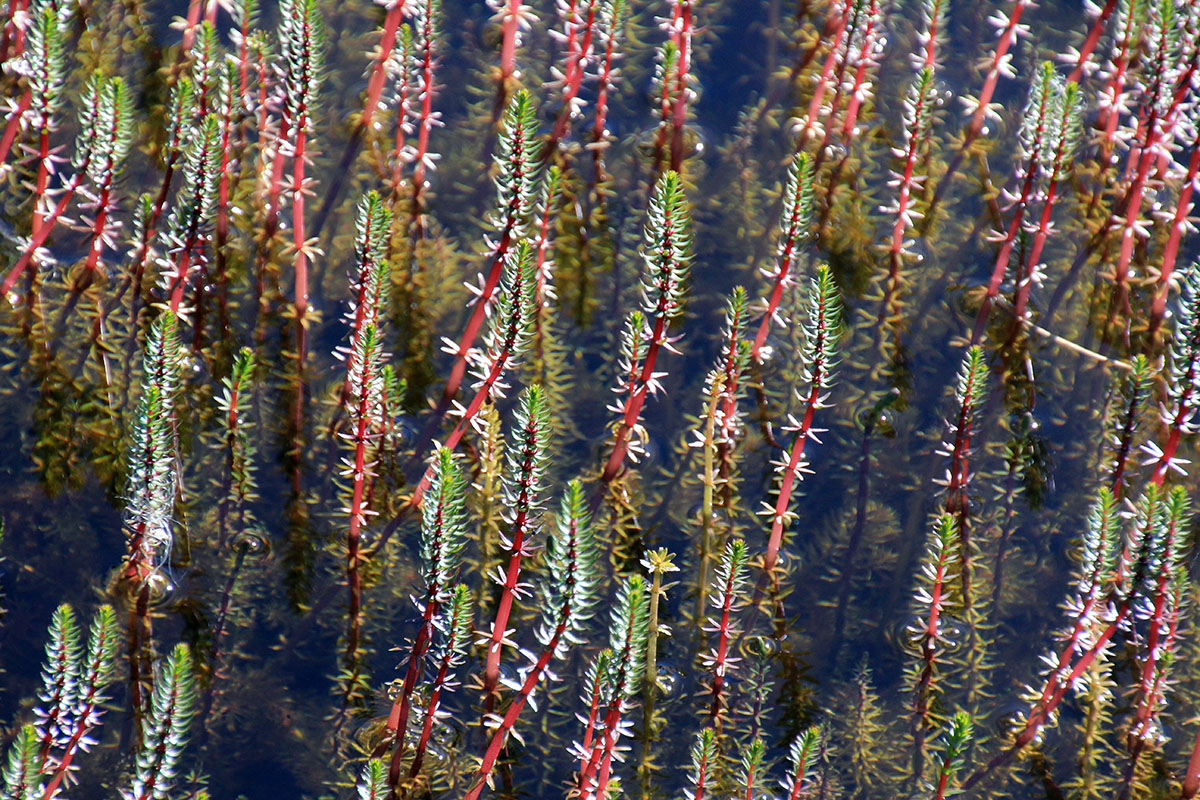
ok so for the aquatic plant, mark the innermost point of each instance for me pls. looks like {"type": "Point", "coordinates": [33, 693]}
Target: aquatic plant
{"type": "Point", "coordinates": [442, 539]}
{"type": "Point", "coordinates": [560, 456]}
{"type": "Point", "coordinates": [74, 685]}
{"type": "Point", "coordinates": [666, 248]}
{"type": "Point", "coordinates": [567, 600]}
{"type": "Point", "coordinates": [171, 708]}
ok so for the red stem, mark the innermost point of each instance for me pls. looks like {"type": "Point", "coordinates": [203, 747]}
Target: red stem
{"type": "Point", "coordinates": [357, 516]}
{"type": "Point", "coordinates": [782, 273]}
{"type": "Point", "coordinates": [435, 696]}
{"type": "Point", "coordinates": [1090, 43]}
{"type": "Point", "coordinates": [1025, 285]}
{"type": "Point", "coordinates": [1179, 224]}
{"type": "Point", "coordinates": [424, 123]}
{"type": "Point", "coordinates": [508, 47]}
{"type": "Point", "coordinates": [397, 723]}
{"type": "Point", "coordinates": [722, 649]}
{"type": "Point", "coordinates": [789, 474]}
{"type": "Point", "coordinates": [576, 58]}
{"type": "Point", "coordinates": [837, 33]}
{"type": "Point", "coordinates": [633, 404]}
{"type": "Point", "coordinates": [391, 25]}
{"type": "Point", "coordinates": [1007, 38]}
{"type": "Point", "coordinates": [701, 778]}
{"type": "Point", "coordinates": [864, 61]}
{"type": "Point", "coordinates": [523, 502]}
{"type": "Point", "coordinates": [929, 651]}
{"type": "Point", "coordinates": [1191, 779]}
{"type": "Point", "coordinates": [13, 125]}
{"type": "Point", "coordinates": [1000, 267]}
{"type": "Point", "coordinates": [460, 429]}
{"type": "Point", "coordinates": [514, 710]}
{"type": "Point", "coordinates": [39, 239]}
{"type": "Point", "coordinates": [683, 38]}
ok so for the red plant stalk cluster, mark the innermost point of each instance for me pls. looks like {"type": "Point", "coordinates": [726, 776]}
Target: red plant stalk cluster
{"type": "Point", "coordinates": [442, 533]}
{"type": "Point", "coordinates": [44, 123]}
{"type": "Point", "coordinates": [1104, 605]}
{"type": "Point", "coordinates": [522, 508]}
{"type": "Point", "coordinates": [621, 682]}
{"type": "Point", "coordinates": [1061, 150]}
{"type": "Point", "coordinates": [919, 108]}
{"type": "Point", "coordinates": [1155, 655]}
{"type": "Point", "coordinates": [183, 120]}
{"type": "Point", "coordinates": [680, 32]}
{"type": "Point", "coordinates": [937, 576]}
{"type": "Point", "coordinates": [862, 54]}
{"type": "Point", "coordinates": [672, 82]}
{"type": "Point", "coordinates": [301, 78]}
{"type": "Point", "coordinates": [506, 340]}
{"type": "Point", "coordinates": [403, 66]}
{"type": "Point", "coordinates": [376, 82]}
{"type": "Point", "coordinates": [515, 182]}
{"type": "Point", "coordinates": [1169, 80]}
{"type": "Point", "coordinates": [387, 42]}
{"type": "Point", "coordinates": [858, 19]}
{"type": "Point", "coordinates": [1179, 413]}
{"type": "Point", "coordinates": [1039, 130]}
{"type": "Point", "coordinates": [580, 29]}
{"type": "Point", "coordinates": [980, 108]}
{"type": "Point", "coordinates": [44, 73]}
{"type": "Point", "coordinates": [1113, 100]}
{"type": "Point", "coordinates": [364, 363]}
{"type": "Point", "coordinates": [1172, 68]}
{"type": "Point", "coordinates": [183, 115]}
{"type": "Point", "coordinates": [115, 107]}
{"type": "Point", "coordinates": [726, 599]}
{"type": "Point", "coordinates": [610, 33]}
{"type": "Point", "coordinates": [818, 358]}
{"type": "Point", "coordinates": [667, 250]}
{"type": "Point", "coordinates": [427, 22]}
{"type": "Point", "coordinates": [1180, 224]}
{"type": "Point", "coordinates": [794, 224]}
{"type": "Point", "coordinates": [835, 31]}
{"type": "Point", "coordinates": [969, 393]}
{"type": "Point", "coordinates": [456, 633]}
{"type": "Point", "coordinates": [596, 687]}
{"type": "Point", "coordinates": [513, 17]}
{"type": "Point", "coordinates": [186, 227]}
{"type": "Point", "coordinates": [568, 595]}
{"type": "Point", "coordinates": [1082, 55]}
{"type": "Point", "coordinates": [369, 294]}
{"type": "Point", "coordinates": [16, 110]}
